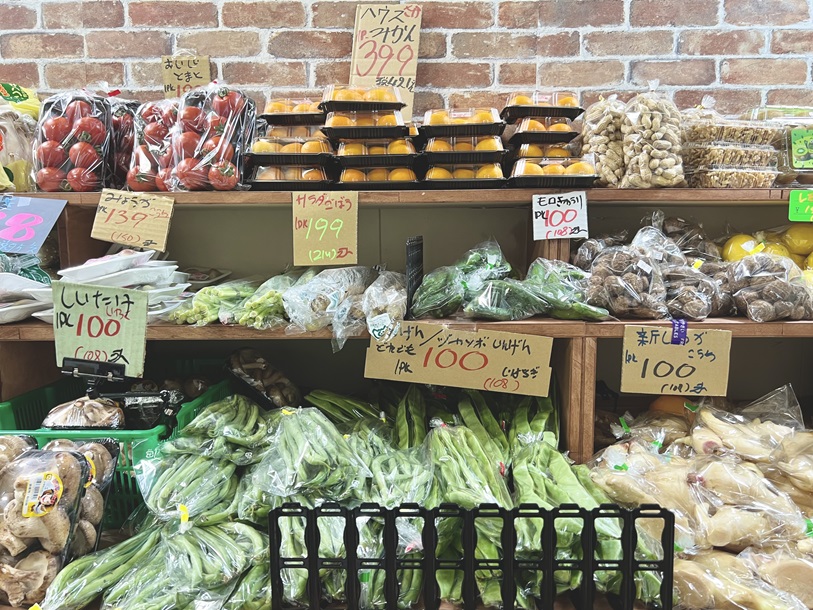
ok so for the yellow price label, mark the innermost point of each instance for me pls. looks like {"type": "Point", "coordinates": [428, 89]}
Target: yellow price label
{"type": "Point", "coordinates": [184, 513]}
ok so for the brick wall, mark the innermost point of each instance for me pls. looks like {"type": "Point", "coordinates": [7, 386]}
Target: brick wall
{"type": "Point", "coordinates": [745, 52]}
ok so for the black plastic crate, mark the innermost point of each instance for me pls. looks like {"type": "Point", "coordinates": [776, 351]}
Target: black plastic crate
{"type": "Point", "coordinates": [509, 564]}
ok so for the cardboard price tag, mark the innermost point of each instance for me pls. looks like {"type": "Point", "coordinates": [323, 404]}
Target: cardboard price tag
{"type": "Point", "coordinates": [326, 228]}
{"type": "Point", "coordinates": [562, 216]}
{"type": "Point", "coordinates": [385, 48]}
{"type": "Point", "coordinates": [652, 364]}
{"type": "Point", "coordinates": [800, 206]}
{"type": "Point", "coordinates": [133, 219]}
{"type": "Point", "coordinates": [483, 360]}
{"type": "Point", "coordinates": [102, 324]}
{"type": "Point", "coordinates": [182, 74]}
{"type": "Point", "coordinates": [25, 222]}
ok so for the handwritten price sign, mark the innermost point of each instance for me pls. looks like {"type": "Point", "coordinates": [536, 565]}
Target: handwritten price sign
{"type": "Point", "coordinates": [326, 228]}
{"type": "Point", "coordinates": [100, 323]}
{"type": "Point", "coordinates": [800, 206]}
{"type": "Point", "coordinates": [385, 48]}
{"type": "Point", "coordinates": [496, 361]}
{"type": "Point", "coordinates": [26, 221]}
{"type": "Point", "coordinates": [133, 219]}
{"type": "Point", "coordinates": [655, 362]}
{"type": "Point", "coordinates": [561, 216]}
{"type": "Point", "coordinates": [182, 74]}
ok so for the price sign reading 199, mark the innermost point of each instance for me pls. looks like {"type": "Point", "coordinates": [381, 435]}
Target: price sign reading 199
{"type": "Point", "coordinates": [325, 228]}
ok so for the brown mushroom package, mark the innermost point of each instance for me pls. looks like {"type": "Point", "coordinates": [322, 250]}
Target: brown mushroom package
{"type": "Point", "coordinates": [86, 412]}
{"type": "Point", "coordinates": [40, 495]}
{"type": "Point", "coordinates": [768, 287]}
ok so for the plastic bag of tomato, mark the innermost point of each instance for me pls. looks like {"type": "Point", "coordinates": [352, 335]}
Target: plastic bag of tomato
{"type": "Point", "coordinates": [123, 112]}
{"type": "Point", "coordinates": [201, 147]}
{"type": "Point", "coordinates": [73, 143]}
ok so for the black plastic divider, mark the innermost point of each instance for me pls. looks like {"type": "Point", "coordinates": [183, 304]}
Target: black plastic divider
{"type": "Point", "coordinates": [509, 564]}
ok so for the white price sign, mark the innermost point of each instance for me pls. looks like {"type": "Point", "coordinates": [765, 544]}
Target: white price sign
{"type": "Point", "coordinates": [562, 216]}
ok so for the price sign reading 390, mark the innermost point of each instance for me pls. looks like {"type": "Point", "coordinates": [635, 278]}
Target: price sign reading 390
{"type": "Point", "coordinates": [325, 228]}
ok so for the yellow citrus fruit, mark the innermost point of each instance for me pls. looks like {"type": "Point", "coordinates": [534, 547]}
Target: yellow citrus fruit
{"type": "Point", "coordinates": [353, 175]}
{"type": "Point", "coordinates": [439, 117]}
{"type": "Point", "coordinates": [303, 107]}
{"type": "Point", "coordinates": [314, 173]}
{"type": "Point", "coordinates": [531, 169]}
{"type": "Point", "coordinates": [319, 134]}
{"type": "Point", "coordinates": [312, 147]}
{"type": "Point", "coordinates": [292, 148]}
{"type": "Point", "coordinates": [489, 171]}
{"type": "Point", "coordinates": [556, 151]}
{"type": "Point", "coordinates": [278, 132]}
{"type": "Point", "coordinates": [777, 249]}
{"type": "Point", "coordinates": [489, 144]}
{"type": "Point", "coordinates": [437, 145]}
{"type": "Point", "coordinates": [352, 149]}
{"type": "Point", "coordinates": [379, 95]}
{"type": "Point", "coordinates": [314, 107]}
{"type": "Point", "coordinates": [274, 107]}
{"type": "Point", "coordinates": [264, 146]}
{"type": "Point", "coordinates": [808, 264]}
{"type": "Point", "coordinates": [482, 116]}
{"type": "Point", "coordinates": [463, 173]}
{"type": "Point", "coordinates": [270, 173]}
{"type": "Point", "coordinates": [568, 101]}
{"type": "Point", "coordinates": [339, 120]}
{"type": "Point", "coordinates": [347, 95]}
{"type": "Point", "coordinates": [439, 173]}
{"type": "Point", "coordinates": [365, 120]}
{"type": "Point", "coordinates": [800, 260]}
{"type": "Point", "coordinates": [463, 146]}
{"type": "Point", "coordinates": [738, 246]}
{"type": "Point", "coordinates": [522, 100]}
{"type": "Point", "coordinates": [376, 149]}
{"type": "Point", "coordinates": [534, 125]}
{"type": "Point", "coordinates": [531, 150]}
{"type": "Point", "coordinates": [799, 239]}
{"type": "Point", "coordinates": [580, 168]}
{"type": "Point", "coordinates": [460, 121]}
{"type": "Point", "coordinates": [292, 173]}
{"type": "Point", "coordinates": [402, 174]}
{"type": "Point", "coordinates": [554, 169]}
{"type": "Point", "coordinates": [560, 127]}
{"type": "Point", "coordinates": [379, 174]}
{"type": "Point", "coordinates": [400, 147]}
{"type": "Point", "coordinates": [387, 120]}
{"type": "Point", "coordinates": [298, 132]}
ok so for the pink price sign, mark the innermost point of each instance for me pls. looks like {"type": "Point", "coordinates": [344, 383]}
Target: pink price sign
{"type": "Point", "coordinates": [25, 222]}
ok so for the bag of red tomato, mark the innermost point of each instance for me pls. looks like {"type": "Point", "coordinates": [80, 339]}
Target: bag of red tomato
{"type": "Point", "coordinates": [201, 148]}
{"type": "Point", "coordinates": [123, 112]}
{"type": "Point", "coordinates": [73, 143]}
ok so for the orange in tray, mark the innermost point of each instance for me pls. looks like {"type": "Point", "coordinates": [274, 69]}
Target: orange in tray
{"type": "Point", "coordinates": [379, 95]}
{"type": "Point", "coordinates": [263, 146]}
{"type": "Point", "coordinates": [463, 146]}
{"type": "Point", "coordinates": [269, 173]}
{"type": "Point", "coordinates": [377, 149]}
{"type": "Point", "coordinates": [292, 173]}
{"type": "Point", "coordinates": [437, 145]}
{"type": "Point", "coordinates": [533, 125]}
{"type": "Point", "coordinates": [365, 120]}
{"type": "Point", "coordinates": [554, 169]}
{"type": "Point", "coordinates": [560, 127]}
{"type": "Point", "coordinates": [531, 150]}
{"type": "Point", "coordinates": [463, 173]}
{"type": "Point", "coordinates": [532, 169]}
{"type": "Point", "coordinates": [439, 117]}
{"type": "Point", "coordinates": [387, 120]}
{"type": "Point", "coordinates": [522, 100]}
{"type": "Point", "coordinates": [312, 147]}
{"type": "Point", "coordinates": [489, 171]}
{"type": "Point", "coordinates": [314, 173]}
{"type": "Point", "coordinates": [339, 120]}
{"type": "Point", "coordinates": [379, 174]}
{"type": "Point", "coordinates": [352, 149]}
{"type": "Point", "coordinates": [399, 147]}
{"type": "Point", "coordinates": [353, 175]}
{"type": "Point", "coordinates": [402, 174]}
{"type": "Point", "coordinates": [439, 173]}
{"type": "Point", "coordinates": [489, 144]}
{"type": "Point", "coordinates": [580, 168]}
{"type": "Point", "coordinates": [347, 95]}
{"type": "Point", "coordinates": [292, 149]}
{"type": "Point", "coordinates": [556, 151]}
{"type": "Point", "coordinates": [482, 116]}
{"type": "Point", "coordinates": [567, 101]}
{"type": "Point", "coordinates": [278, 107]}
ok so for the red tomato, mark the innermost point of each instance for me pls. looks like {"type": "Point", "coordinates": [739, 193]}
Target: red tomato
{"type": "Point", "coordinates": [162, 179]}
{"type": "Point", "coordinates": [154, 133]}
{"type": "Point", "coordinates": [219, 149]}
{"type": "Point", "coordinates": [122, 160]}
{"type": "Point", "coordinates": [51, 154]}
{"type": "Point", "coordinates": [191, 119]}
{"type": "Point", "coordinates": [83, 154]}
{"type": "Point", "coordinates": [122, 120]}
{"type": "Point", "coordinates": [140, 181]}
{"type": "Point", "coordinates": [124, 142]}
{"type": "Point", "coordinates": [88, 129]}
{"type": "Point", "coordinates": [227, 102]}
{"type": "Point", "coordinates": [165, 158]}
{"type": "Point", "coordinates": [223, 176]}
{"type": "Point", "coordinates": [82, 180]}
{"type": "Point", "coordinates": [170, 115]}
{"type": "Point", "coordinates": [143, 159]}
{"type": "Point", "coordinates": [215, 124]}
{"type": "Point", "coordinates": [150, 112]}
{"type": "Point", "coordinates": [185, 145]}
{"type": "Point", "coordinates": [192, 174]}
{"type": "Point", "coordinates": [56, 128]}
{"type": "Point", "coordinates": [76, 110]}
{"type": "Point", "coordinates": [51, 179]}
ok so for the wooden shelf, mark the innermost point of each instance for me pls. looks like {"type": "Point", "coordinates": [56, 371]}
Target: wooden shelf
{"type": "Point", "coordinates": [466, 198]}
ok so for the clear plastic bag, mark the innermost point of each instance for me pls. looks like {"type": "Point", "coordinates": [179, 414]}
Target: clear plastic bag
{"type": "Point", "coordinates": [250, 366]}
{"type": "Point", "coordinates": [656, 429]}
{"type": "Point", "coordinates": [483, 262]}
{"type": "Point", "coordinates": [151, 161]}
{"type": "Point", "coordinates": [216, 303]}
{"type": "Point", "coordinates": [440, 294]}
{"type": "Point", "coordinates": [767, 287]}
{"type": "Point", "coordinates": [785, 568]}
{"type": "Point", "coordinates": [86, 413]}
{"type": "Point", "coordinates": [603, 138]}
{"type": "Point", "coordinates": [264, 310]}
{"type": "Point", "coordinates": [628, 283]}
{"type": "Point", "coordinates": [690, 294]}
{"type": "Point", "coordinates": [18, 131]}
{"type": "Point", "coordinates": [505, 300]}
{"type": "Point", "coordinates": [590, 248]}
{"type": "Point", "coordinates": [348, 321]}
{"type": "Point", "coordinates": [254, 590]}
{"type": "Point", "coordinates": [210, 139]}
{"type": "Point", "coordinates": [74, 143]}
{"type": "Point", "coordinates": [652, 148]}
{"type": "Point", "coordinates": [235, 419]}
{"type": "Point", "coordinates": [384, 305]}
{"type": "Point", "coordinates": [13, 446]}
{"type": "Point", "coordinates": [312, 305]}
{"type": "Point", "coordinates": [123, 117]}
{"type": "Point", "coordinates": [658, 246]}
{"type": "Point", "coordinates": [563, 287]}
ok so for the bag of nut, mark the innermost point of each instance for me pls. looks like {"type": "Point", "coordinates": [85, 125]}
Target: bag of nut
{"type": "Point", "coordinates": [767, 287]}
{"type": "Point", "coordinates": [651, 131]}
{"type": "Point", "coordinates": [602, 136]}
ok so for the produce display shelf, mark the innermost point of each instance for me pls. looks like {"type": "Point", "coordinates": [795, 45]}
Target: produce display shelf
{"type": "Point", "coordinates": [467, 197]}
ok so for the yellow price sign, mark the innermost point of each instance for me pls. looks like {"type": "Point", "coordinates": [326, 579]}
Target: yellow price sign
{"type": "Point", "coordinates": [325, 228]}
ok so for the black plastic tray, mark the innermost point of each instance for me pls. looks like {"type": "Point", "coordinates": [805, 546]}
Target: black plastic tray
{"type": "Point", "coordinates": [351, 106]}
{"type": "Point", "coordinates": [551, 182]}
{"type": "Point", "coordinates": [396, 185]}
{"type": "Point", "coordinates": [291, 185]}
{"type": "Point", "coordinates": [261, 159]}
{"type": "Point", "coordinates": [366, 133]}
{"type": "Point", "coordinates": [472, 183]}
{"type": "Point", "coordinates": [292, 119]}
{"type": "Point", "coordinates": [511, 114]}
{"type": "Point", "coordinates": [462, 131]}
{"type": "Point", "coordinates": [471, 157]}
{"type": "Point", "coordinates": [377, 160]}
{"type": "Point", "coordinates": [509, 565]}
{"type": "Point", "coordinates": [542, 137]}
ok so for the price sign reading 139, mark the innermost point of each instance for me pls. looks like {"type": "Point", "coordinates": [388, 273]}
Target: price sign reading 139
{"type": "Point", "coordinates": [325, 228]}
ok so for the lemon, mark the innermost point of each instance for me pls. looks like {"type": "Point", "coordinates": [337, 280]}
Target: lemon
{"type": "Point", "coordinates": [799, 260]}
{"type": "Point", "coordinates": [263, 146]}
{"type": "Point", "coordinates": [532, 169]}
{"type": "Point", "coordinates": [437, 145]}
{"type": "Point", "coordinates": [799, 239]}
{"type": "Point", "coordinates": [438, 173]}
{"type": "Point", "coordinates": [379, 174]}
{"type": "Point", "coordinates": [738, 247]}
{"type": "Point", "coordinates": [777, 249]}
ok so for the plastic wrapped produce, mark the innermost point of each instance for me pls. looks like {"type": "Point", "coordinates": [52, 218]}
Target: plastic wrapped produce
{"type": "Point", "coordinates": [250, 366]}
{"type": "Point", "coordinates": [348, 321]}
{"type": "Point", "coordinates": [656, 429]}
{"type": "Point", "coordinates": [384, 305]}
{"type": "Point", "coordinates": [13, 446]}
{"type": "Point", "coordinates": [440, 294]}
{"type": "Point", "coordinates": [86, 413]}
{"type": "Point", "coordinates": [658, 246]}
{"type": "Point", "coordinates": [723, 301]}
{"type": "Point", "coordinates": [628, 283]}
{"type": "Point", "coordinates": [767, 287]}
{"type": "Point", "coordinates": [264, 309]}
{"type": "Point", "coordinates": [18, 131]}
{"type": "Point", "coordinates": [562, 287]}
{"type": "Point", "coordinates": [254, 590]}
{"type": "Point", "coordinates": [74, 143]}
{"type": "Point", "coordinates": [213, 303]}
{"type": "Point", "coordinates": [505, 300]}
{"type": "Point", "coordinates": [151, 161]}
{"type": "Point", "coordinates": [123, 117]}
{"type": "Point", "coordinates": [590, 248]}
{"type": "Point", "coordinates": [603, 137]}
{"type": "Point", "coordinates": [690, 294]}
{"type": "Point", "coordinates": [652, 154]}
{"type": "Point", "coordinates": [311, 306]}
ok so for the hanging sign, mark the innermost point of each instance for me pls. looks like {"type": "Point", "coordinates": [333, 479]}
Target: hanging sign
{"type": "Point", "coordinates": [182, 74]}
{"type": "Point", "coordinates": [25, 222]}
{"type": "Point", "coordinates": [562, 216]}
{"type": "Point", "coordinates": [138, 220]}
{"type": "Point", "coordinates": [800, 206]}
{"type": "Point", "coordinates": [326, 228]}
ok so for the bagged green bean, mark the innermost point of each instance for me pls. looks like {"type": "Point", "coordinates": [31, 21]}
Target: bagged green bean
{"type": "Point", "coordinates": [505, 300]}
{"type": "Point", "coordinates": [564, 287]}
{"type": "Point", "coordinates": [254, 590]}
{"type": "Point", "coordinates": [440, 294]}
{"type": "Point", "coordinates": [236, 419]}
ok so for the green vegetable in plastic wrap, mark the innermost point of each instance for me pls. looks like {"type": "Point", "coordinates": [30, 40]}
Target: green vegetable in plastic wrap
{"type": "Point", "coordinates": [440, 294]}
{"type": "Point", "coordinates": [563, 286]}
{"type": "Point", "coordinates": [505, 300]}
{"type": "Point", "coordinates": [264, 308]}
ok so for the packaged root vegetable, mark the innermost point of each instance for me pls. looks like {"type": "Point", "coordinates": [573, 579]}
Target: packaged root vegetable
{"type": "Point", "coordinates": [690, 294]}
{"type": "Point", "coordinates": [74, 143]}
{"type": "Point", "coordinates": [384, 305]}
{"type": "Point", "coordinates": [603, 137]}
{"type": "Point", "coordinates": [18, 131]}
{"type": "Point", "coordinates": [86, 413]}
{"type": "Point", "coordinates": [767, 287]}
{"type": "Point", "coordinates": [590, 248]}
{"type": "Point", "coordinates": [658, 246]}
{"type": "Point", "coordinates": [348, 321]}
{"type": "Point", "coordinates": [271, 384]}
